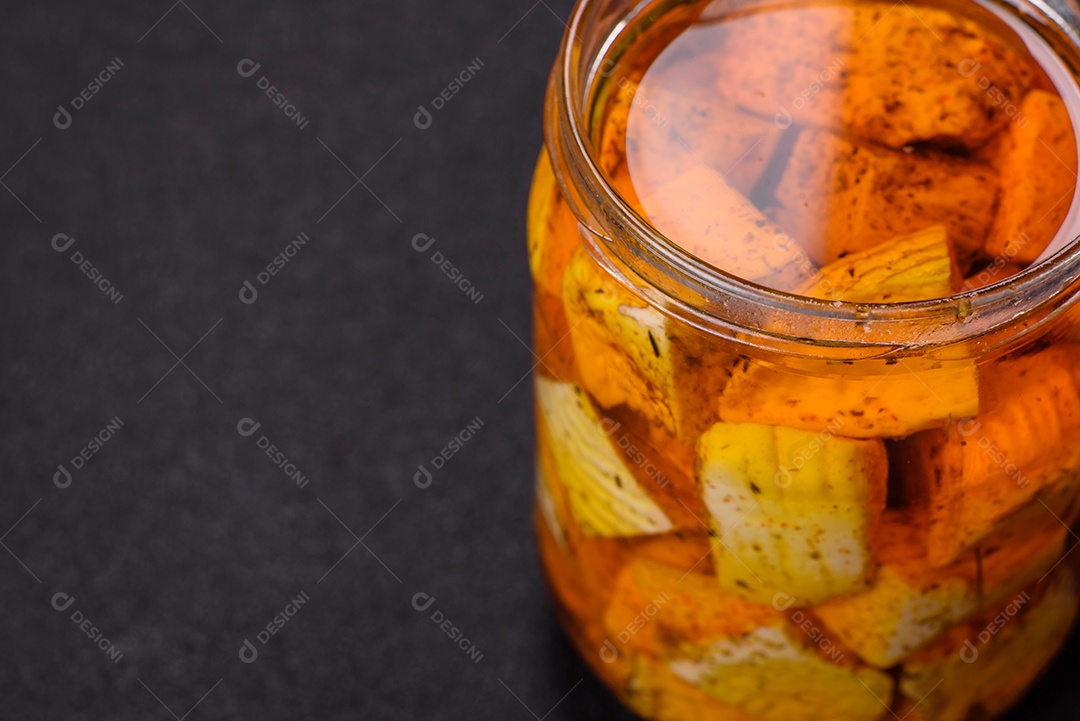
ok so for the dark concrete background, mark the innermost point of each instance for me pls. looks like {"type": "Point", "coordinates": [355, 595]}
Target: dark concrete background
{"type": "Point", "coordinates": [180, 538]}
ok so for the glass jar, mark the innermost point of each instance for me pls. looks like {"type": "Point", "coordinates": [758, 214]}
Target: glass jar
{"type": "Point", "coordinates": [757, 505]}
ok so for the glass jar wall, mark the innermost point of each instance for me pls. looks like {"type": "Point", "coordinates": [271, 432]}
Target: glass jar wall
{"type": "Point", "coordinates": [804, 449]}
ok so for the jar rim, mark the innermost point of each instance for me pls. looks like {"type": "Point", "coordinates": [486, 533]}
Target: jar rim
{"type": "Point", "coordinates": [705, 295]}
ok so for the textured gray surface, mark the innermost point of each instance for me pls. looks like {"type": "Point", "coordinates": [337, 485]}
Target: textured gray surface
{"type": "Point", "coordinates": [179, 180]}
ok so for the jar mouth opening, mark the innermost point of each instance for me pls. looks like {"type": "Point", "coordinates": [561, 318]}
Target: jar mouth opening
{"type": "Point", "coordinates": [653, 256]}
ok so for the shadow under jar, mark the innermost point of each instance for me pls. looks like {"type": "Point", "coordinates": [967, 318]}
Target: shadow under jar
{"type": "Point", "coordinates": [808, 405]}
